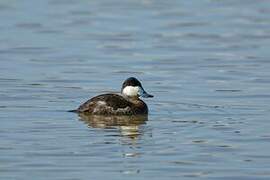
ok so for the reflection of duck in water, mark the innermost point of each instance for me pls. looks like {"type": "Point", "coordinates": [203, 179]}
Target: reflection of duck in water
{"type": "Point", "coordinates": [126, 103]}
{"type": "Point", "coordinates": [128, 125]}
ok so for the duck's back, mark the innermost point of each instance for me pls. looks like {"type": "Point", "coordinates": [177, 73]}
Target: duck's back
{"type": "Point", "coordinates": [112, 104]}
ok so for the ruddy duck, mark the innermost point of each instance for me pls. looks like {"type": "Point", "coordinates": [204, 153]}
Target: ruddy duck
{"type": "Point", "coordinates": [126, 103]}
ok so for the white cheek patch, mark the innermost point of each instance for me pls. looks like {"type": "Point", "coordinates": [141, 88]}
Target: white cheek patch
{"type": "Point", "coordinates": [131, 90]}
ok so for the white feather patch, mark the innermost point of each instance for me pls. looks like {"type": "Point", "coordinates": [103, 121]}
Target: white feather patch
{"type": "Point", "coordinates": [131, 90]}
{"type": "Point", "coordinates": [101, 103]}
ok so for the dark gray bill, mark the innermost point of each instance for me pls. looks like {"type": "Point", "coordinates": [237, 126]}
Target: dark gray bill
{"type": "Point", "coordinates": [144, 94]}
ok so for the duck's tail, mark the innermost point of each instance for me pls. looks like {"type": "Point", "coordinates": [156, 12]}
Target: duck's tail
{"type": "Point", "coordinates": [74, 111]}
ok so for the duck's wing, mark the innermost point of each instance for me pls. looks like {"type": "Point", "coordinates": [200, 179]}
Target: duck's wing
{"type": "Point", "coordinates": [105, 103]}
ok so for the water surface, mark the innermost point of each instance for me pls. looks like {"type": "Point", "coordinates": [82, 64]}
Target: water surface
{"type": "Point", "coordinates": [206, 62]}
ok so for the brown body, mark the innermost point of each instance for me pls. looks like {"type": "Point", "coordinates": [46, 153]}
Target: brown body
{"type": "Point", "coordinates": [113, 104]}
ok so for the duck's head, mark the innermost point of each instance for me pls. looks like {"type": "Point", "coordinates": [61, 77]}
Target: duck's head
{"type": "Point", "coordinates": [133, 88]}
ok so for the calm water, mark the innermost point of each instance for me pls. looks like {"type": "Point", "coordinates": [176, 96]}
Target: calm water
{"type": "Point", "coordinates": [207, 63]}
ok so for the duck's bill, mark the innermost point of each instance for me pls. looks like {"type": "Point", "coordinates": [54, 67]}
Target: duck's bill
{"type": "Point", "coordinates": [144, 94]}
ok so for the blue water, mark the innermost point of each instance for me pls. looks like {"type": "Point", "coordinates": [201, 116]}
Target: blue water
{"type": "Point", "coordinates": [207, 63]}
